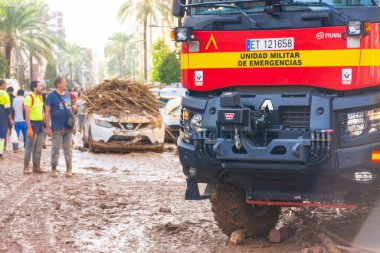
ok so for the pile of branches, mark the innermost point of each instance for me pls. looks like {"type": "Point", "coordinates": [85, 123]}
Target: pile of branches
{"type": "Point", "coordinates": [120, 98]}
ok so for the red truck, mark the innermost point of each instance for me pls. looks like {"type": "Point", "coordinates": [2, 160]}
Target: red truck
{"type": "Point", "coordinates": [282, 106]}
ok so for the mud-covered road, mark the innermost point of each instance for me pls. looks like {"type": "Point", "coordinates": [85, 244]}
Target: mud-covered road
{"type": "Point", "coordinates": [134, 203]}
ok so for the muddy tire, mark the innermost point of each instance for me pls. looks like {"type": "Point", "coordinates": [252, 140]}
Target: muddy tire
{"type": "Point", "coordinates": [91, 147]}
{"type": "Point", "coordinates": [85, 144]}
{"type": "Point", "coordinates": [160, 149]}
{"type": "Point", "coordinates": [232, 213]}
{"type": "Point", "coordinates": [84, 140]}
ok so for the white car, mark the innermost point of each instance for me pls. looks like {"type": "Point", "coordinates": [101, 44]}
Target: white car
{"type": "Point", "coordinates": [171, 115]}
{"type": "Point", "coordinates": [171, 92]}
{"type": "Point", "coordinates": [130, 133]}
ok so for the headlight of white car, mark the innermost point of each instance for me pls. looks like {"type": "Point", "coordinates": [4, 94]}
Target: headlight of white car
{"type": "Point", "coordinates": [103, 123]}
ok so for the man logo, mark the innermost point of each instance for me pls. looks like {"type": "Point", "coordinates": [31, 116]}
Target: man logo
{"type": "Point", "coordinates": [266, 105]}
{"type": "Point", "coordinates": [229, 115]}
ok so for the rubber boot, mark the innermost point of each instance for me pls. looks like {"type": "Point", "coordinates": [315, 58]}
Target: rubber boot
{"type": "Point", "coordinates": [37, 169]}
{"type": "Point", "coordinates": [69, 171]}
{"type": "Point", "coordinates": [54, 172]}
{"type": "Point", "coordinates": [26, 167]}
{"type": "Point", "coordinates": [2, 147]}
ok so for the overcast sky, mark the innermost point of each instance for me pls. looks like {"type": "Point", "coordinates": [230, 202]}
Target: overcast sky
{"type": "Point", "coordinates": [90, 22]}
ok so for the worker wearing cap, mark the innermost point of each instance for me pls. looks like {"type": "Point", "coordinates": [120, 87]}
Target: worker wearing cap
{"type": "Point", "coordinates": [5, 115]}
{"type": "Point", "coordinates": [34, 117]}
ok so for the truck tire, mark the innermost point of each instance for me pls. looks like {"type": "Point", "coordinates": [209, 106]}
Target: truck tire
{"type": "Point", "coordinates": [232, 213]}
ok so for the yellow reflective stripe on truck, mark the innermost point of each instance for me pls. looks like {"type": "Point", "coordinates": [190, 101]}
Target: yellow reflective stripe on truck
{"type": "Point", "coordinates": [302, 58]}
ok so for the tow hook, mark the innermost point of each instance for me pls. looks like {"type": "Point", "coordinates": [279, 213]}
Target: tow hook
{"type": "Point", "coordinates": [237, 139]}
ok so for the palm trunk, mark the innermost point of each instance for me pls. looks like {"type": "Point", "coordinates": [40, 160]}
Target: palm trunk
{"type": "Point", "coordinates": [145, 50]}
{"type": "Point", "coordinates": [122, 59]}
{"type": "Point", "coordinates": [8, 53]}
{"type": "Point", "coordinates": [77, 75]}
{"type": "Point", "coordinates": [71, 72]}
{"type": "Point", "coordinates": [31, 66]}
{"type": "Point", "coordinates": [120, 66]}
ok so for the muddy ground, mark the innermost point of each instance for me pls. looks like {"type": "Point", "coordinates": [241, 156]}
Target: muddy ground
{"type": "Point", "coordinates": [113, 202]}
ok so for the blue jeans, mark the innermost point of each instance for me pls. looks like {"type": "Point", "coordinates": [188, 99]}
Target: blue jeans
{"type": "Point", "coordinates": [81, 119]}
{"type": "Point", "coordinates": [21, 126]}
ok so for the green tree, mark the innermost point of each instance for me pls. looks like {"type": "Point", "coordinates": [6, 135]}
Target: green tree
{"type": "Point", "coordinates": [141, 10]}
{"type": "Point", "coordinates": [74, 59]}
{"type": "Point", "coordinates": [170, 70]}
{"type": "Point", "coordinates": [50, 74]}
{"type": "Point", "coordinates": [117, 47]}
{"type": "Point", "coordinates": [24, 30]}
{"type": "Point", "coordinates": [160, 50]}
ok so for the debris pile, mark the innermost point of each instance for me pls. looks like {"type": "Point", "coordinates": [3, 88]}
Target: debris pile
{"type": "Point", "coordinates": [121, 97]}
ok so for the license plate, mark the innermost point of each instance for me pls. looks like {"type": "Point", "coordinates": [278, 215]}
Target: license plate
{"type": "Point", "coordinates": [129, 132]}
{"type": "Point", "coordinates": [270, 44]}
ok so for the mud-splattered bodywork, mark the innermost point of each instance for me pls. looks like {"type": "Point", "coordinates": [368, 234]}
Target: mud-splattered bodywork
{"type": "Point", "coordinates": [132, 132]}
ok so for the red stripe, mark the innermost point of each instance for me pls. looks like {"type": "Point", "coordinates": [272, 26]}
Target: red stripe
{"type": "Point", "coordinates": [376, 152]}
{"type": "Point", "coordinates": [302, 204]}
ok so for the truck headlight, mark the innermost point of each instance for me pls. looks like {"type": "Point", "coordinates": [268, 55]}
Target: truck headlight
{"type": "Point", "coordinates": [374, 119]}
{"type": "Point", "coordinates": [182, 34]}
{"type": "Point", "coordinates": [355, 124]}
{"type": "Point", "coordinates": [358, 28]}
{"type": "Point", "coordinates": [196, 121]}
{"type": "Point", "coordinates": [103, 123]}
{"type": "Point", "coordinates": [190, 122]}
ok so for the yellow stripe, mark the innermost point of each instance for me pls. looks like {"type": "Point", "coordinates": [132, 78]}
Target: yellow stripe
{"type": "Point", "coordinates": [370, 57]}
{"type": "Point", "coordinates": [375, 156]}
{"type": "Point", "coordinates": [309, 58]}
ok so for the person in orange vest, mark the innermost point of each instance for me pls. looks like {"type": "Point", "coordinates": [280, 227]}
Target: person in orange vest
{"type": "Point", "coordinates": [34, 117]}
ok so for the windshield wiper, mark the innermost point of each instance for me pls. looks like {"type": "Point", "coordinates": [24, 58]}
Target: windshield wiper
{"type": "Point", "coordinates": [335, 10]}
{"type": "Point", "coordinates": [218, 3]}
{"type": "Point", "coordinates": [225, 5]}
{"type": "Point", "coordinates": [243, 12]}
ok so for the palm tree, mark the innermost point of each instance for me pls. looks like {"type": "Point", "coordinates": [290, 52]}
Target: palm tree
{"type": "Point", "coordinates": [141, 10]}
{"type": "Point", "coordinates": [75, 58]}
{"type": "Point", "coordinates": [117, 46]}
{"type": "Point", "coordinates": [24, 31]}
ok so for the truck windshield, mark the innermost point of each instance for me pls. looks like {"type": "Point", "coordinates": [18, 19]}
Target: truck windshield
{"type": "Point", "coordinates": [259, 6]}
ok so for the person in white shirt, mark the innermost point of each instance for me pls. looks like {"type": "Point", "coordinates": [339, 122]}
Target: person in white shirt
{"type": "Point", "coordinates": [20, 124]}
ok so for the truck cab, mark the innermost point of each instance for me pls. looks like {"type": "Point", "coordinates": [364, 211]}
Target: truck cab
{"type": "Point", "coordinates": [282, 106]}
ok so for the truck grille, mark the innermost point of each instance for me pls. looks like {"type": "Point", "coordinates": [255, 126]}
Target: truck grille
{"type": "Point", "coordinates": [295, 116]}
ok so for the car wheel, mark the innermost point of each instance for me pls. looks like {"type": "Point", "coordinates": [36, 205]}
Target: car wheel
{"type": "Point", "coordinates": [90, 142]}
{"type": "Point", "coordinates": [85, 141]}
{"type": "Point", "coordinates": [160, 149]}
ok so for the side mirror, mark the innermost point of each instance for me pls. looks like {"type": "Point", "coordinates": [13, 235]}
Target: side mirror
{"type": "Point", "coordinates": [178, 10]}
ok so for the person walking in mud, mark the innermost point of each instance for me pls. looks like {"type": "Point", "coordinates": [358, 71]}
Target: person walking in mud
{"type": "Point", "coordinates": [34, 117]}
{"type": "Point", "coordinates": [60, 124]}
{"type": "Point", "coordinates": [5, 115]}
{"type": "Point", "coordinates": [10, 91]}
{"type": "Point", "coordinates": [19, 117]}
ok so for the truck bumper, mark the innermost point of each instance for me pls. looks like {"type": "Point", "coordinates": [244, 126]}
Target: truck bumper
{"type": "Point", "coordinates": [272, 175]}
{"type": "Point", "coordinates": [347, 173]}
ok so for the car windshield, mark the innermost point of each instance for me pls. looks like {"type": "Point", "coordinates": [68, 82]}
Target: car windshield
{"type": "Point", "coordinates": [259, 6]}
